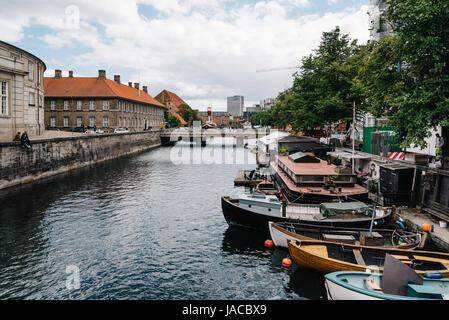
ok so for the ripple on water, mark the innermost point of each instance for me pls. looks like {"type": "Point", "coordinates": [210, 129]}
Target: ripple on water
{"type": "Point", "coordinates": [138, 227]}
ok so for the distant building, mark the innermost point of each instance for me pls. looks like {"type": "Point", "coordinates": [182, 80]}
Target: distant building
{"type": "Point", "coordinates": [235, 106]}
{"type": "Point", "coordinates": [220, 118]}
{"type": "Point", "coordinates": [21, 92]}
{"type": "Point", "coordinates": [267, 104]}
{"type": "Point", "coordinates": [172, 101]}
{"type": "Point", "coordinates": [97, 101]}
{"type": "Point", "coordinates": [379, 26]}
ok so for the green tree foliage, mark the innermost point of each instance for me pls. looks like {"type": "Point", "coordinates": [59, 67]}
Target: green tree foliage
{"type": "Point", "coordinates": [423, 47]}
{"type": "Point", "coordinates": [188, 114]}
{"type": "Point", "coordinates": [172, 121]}
{"type": "Point", "coordinates": [325, 89]}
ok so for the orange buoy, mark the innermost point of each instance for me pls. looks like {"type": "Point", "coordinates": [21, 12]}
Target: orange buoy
{"type": "Point", "coordinates": [268, 243]}
{"type": "Point", "coordinates": [425, 227]}
{"type": "Point", "coordinates": [286, 262]}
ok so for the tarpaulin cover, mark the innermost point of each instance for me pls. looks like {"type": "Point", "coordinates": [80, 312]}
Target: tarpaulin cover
{"type": "Point", "coordinates": [333, 208]}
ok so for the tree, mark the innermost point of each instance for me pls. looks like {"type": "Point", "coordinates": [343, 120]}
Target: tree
{"type": "Point", "coordinates": [423, 46]}
{"type": "Point", "coordinates": [172, 121]}
{"type": "Point", "coordinates": [189, 115]}
{"type": "Point", "coordinates": [325, 89]}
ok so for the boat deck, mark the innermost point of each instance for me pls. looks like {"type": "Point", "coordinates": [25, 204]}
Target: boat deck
{"type": "Point", "coordinates": [345, 191]}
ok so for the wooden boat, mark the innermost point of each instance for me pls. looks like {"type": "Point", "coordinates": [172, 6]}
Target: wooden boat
{"type": "Point", "coordinates": [257, 210]}
{"type": "Point", "coordinates": [304, 178]}
{"type": "Point", "coordinates": [389, 238]}
{"type": "Point", "coordinates": [355, 285]}
{"type": "Point", "coordinates": [330, 257]}
{"type": "Point", "coordinates": [267, 187]}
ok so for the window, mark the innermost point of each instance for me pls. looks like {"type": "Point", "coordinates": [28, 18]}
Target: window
{"type": "Point", "coordinates": [66, 121]}
{"type": "Point", "coordinates": [79, 105]}
{"type": "Point", "coordinates": [92, 105]}
{"type": "Point", "coordinates": [52, 121]}
{"type": "Point", "coordinates": [31, 98]}
{"type": "Point", "coordinates": [66, 105]}
{"type": "Point", "coordinates": [92, 121]}
{"type": "Point", "coordinates": [4, 98]}
{"type": "Point", "coordinates": [105, 104]}
{"type": "Point", "coordinates": [38, 75]}
{"type": "Point", "coordinates": [79, 121]}
{"type": "Point", "coordinates": [30, 70]}
{"type": "Point", "coordinates": [53, 105]}
{"type": "Point", "coordinates": [105, 121]}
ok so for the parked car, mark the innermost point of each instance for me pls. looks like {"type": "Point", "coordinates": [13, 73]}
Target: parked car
{"type": "Point", "coordinates": [121, 130]}
{"type": "Point", "coordinates": [78, 129]}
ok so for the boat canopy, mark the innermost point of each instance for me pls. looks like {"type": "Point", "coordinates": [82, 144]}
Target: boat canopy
{"type": "Point", "coordinates": [332, 208]}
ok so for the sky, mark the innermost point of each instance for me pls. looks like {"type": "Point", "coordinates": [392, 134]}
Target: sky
{"type": "Point", "coordinates": [203, 50]}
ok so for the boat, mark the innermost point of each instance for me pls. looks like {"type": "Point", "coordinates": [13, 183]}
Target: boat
{"type": "Point", "coordinates": [255, 211]}
{"type": "Point", "coordinates": [327, 257]}
{"type": "Point", "coordinates": [267, 187]}
{"type": "Point", "coordinates": [304, 178]}
{"type": "Point", "coordinates": [389, 238]}
{"type": "Point", "coordinates": [356, 285]}
{"type": "Point", "coordinates": [397, 282]}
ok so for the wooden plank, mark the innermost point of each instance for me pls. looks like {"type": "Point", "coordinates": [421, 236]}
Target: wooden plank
{"type": "Point", "coordinates": [317, 250]}
{"type": "Point", "coordinates": [431, 259]}
{"type": "Point", "coordinates": [358, 257]}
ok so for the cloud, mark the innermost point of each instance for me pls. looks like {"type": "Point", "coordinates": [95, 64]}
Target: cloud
{"type": "Point", "coordinates": [203, 50]}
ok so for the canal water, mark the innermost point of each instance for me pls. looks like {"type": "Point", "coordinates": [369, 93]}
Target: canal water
{"type": "Point", "coordinates": [147, 226]}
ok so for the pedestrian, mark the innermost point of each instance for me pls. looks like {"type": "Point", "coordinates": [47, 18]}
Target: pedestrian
{"type": "Point", "coordinates": [439, 142]}
{"type": "Point", "coordinates": [95, 128]}
{"type": "Point", "coordinates": [17, 137]}
{"type": "Point", "coordinates": [25, 140]}
{"type": "Point", "coordinates": [82, 127]}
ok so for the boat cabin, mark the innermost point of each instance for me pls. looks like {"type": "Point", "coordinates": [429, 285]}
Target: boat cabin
{"type": "Point", "coordinates": [305, 170]}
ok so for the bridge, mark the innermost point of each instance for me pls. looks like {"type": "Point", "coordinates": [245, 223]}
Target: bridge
{"type": "Point", "coordinates": [171, 136]}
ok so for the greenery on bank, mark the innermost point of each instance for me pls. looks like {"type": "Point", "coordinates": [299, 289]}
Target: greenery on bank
{"type": "Point", "coordinates": [404, 76]}
{"type": "Point", "coordinates": [188, 114]}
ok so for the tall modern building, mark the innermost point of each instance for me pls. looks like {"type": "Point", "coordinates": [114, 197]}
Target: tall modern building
{"type": "Point", "coordinates": [235, 106]}
{"type": "Point", "coordinates": [379, 26]}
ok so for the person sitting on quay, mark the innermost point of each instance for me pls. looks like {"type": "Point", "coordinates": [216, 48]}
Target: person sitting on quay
{"type": "Point", "coordinates": [17, 137]}
{"type": "Point", "coordinates": [25, 140]}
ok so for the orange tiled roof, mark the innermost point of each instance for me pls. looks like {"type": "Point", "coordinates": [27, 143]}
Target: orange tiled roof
{"type": "Point", "coordinates": [174, 98]}
{"type": "Point", "coordinates": [93, 87]}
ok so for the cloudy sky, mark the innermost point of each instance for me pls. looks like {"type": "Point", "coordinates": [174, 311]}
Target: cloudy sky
{"type": "Point", "coordinates": [203, 50]}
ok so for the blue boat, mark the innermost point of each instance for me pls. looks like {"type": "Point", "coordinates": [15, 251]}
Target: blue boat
{"type": "Point", "coordinates": [356, 285]}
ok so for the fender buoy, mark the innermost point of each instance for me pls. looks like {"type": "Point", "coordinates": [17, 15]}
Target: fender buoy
{"type": "Point", "coordinates": [425, 227]}
{"type": "Point", "coordinates": [286, 262]}
{"type": "Point", "coordinates": [268, 243]}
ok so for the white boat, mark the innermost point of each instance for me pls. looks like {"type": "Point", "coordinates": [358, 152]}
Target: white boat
{"type": "Point", "coordinates": [356, 285]}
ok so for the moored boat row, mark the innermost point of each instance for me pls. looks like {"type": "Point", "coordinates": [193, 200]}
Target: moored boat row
{"type": "Point", "coordinates": [327, 223]}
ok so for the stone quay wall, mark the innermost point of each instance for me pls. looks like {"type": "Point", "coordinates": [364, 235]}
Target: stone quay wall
{"type": "Point", "coordinates": [47, 157]}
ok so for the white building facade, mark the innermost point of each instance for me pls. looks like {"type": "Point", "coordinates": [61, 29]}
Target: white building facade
{"type": "Point", "coordinates": [21, 92]}
{"type": "Point", "coordinates": [235, 106]}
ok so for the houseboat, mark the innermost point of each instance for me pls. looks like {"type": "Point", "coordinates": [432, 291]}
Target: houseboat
{"type": "Point", "coordinates": [304, 178]}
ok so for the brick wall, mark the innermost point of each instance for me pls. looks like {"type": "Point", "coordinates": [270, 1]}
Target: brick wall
{"type": "Point", "coordinates": [53, 156]}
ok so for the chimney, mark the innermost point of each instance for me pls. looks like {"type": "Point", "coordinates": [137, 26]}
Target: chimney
{"type": "Point", "coordinates": [130, 84]}
{"type": "Point", "coordinates": [101, 75]}
{"type": "Point", "coordinates": [136, 85]}
{"type": "Point", "coordinates": [117, 78]}
{"type": "Point", "coordinates": [145, 89]}
{"type": "Point", "coordinates": [70, 74]}
{"type": "Point", "coordinates": [58, 74]}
